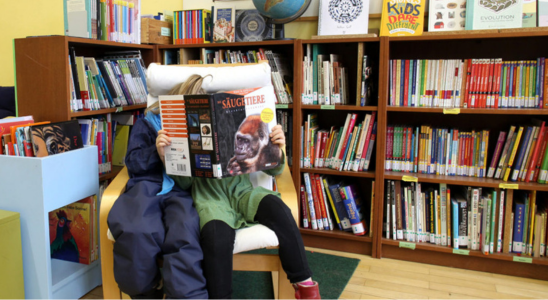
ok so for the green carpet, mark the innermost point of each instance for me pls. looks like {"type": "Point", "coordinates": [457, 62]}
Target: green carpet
{"type": "Point", "coordinates": [331, 272]}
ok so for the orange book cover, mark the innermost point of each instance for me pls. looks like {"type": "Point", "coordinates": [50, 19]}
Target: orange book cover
{"type": "Point", "coordinates": [70, 229]}
{"type": "Point", "coordinates": [13, 128]}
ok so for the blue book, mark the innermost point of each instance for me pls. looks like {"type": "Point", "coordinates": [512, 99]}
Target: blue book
{"type": "Point", "coordinates": [521, 155]}
{"type": "Point", "coordinates": [511, 98]}
{"type": "Point", "coordinates": [358, 226]}
{"type": "Point", "coordinates": [519, 217]}
{"type": "Point", "coordinates": [537, 85]}
{"type": "Point", "coordinates": [414, 94]}
{"type": "Point", "coordinates": [434, 148]}
{"type": "Point", "coordinates": [455, 223]}
{"type": "Point", "coordinates": [542, 83]}
{"type": "Point", "coordinates": [339, 207]}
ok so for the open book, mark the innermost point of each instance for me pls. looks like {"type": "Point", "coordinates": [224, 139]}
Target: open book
{"type": "Point", "coordinates": [220, 135]}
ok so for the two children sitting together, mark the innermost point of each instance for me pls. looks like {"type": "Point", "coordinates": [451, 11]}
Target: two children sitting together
{"type": "Point", "coordinates": [190, 222]}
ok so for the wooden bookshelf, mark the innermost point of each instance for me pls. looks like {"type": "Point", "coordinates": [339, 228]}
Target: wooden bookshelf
{"type": "Point", "coordinates": [472, 111]}
{"type": "Point", "coordinates": [339, 107]}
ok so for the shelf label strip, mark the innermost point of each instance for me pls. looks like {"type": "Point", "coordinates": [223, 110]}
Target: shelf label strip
{"type": "Point", "coordinates": [282, 106]}
{"type": "Point", "coordinates": [409, 178]}
{"type": "Point", "coordinates": [461, 251]}
{"type": "Point", "coordinates": [509, 186]}
{"type": "Point", "coordinates": [522, 259]}
{"type": "Point", "coordinates": [119, 109]}
{"type": "Point", "coordinates": [407, 245]}
{"type": "Point", "coordinates": [451, 111]}
{"type": "Point", "coordinates": [328, 107]}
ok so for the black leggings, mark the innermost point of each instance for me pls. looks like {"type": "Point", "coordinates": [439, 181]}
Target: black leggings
{"type": "Point", "coordinates": [217, 240]}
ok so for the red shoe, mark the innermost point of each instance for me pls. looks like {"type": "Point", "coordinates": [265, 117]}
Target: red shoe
{"type": "Point", "coordinates": [307, 291]}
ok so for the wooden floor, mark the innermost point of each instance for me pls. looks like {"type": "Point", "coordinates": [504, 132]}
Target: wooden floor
{"type": "Point", "coordinates": [395, 279]}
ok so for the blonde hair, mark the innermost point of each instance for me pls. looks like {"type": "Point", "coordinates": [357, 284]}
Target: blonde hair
{"type": "Point", "coordinates": [192, 86]}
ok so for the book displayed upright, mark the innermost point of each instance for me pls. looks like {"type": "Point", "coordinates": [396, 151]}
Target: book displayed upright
{"type": "Point", "coordinates": [494, 14]}
{"type": "Point", "coordinates": [446, 15]}
{"type": "Point", "coordinates": [224, 23]}
{"type": "Point", "coordinates": [49, 139]}
{"type": "Point", "coordinates": [222, 134]}
{"type": "Point", "coordinates": [402, 18]}
{"type": "Point", "coordinates": [336, 18]}
{"type": "Point", "coordinates": [251, 26]}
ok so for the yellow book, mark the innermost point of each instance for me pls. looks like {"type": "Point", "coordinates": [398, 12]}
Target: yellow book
{"type": "Point", "coordinates": [513, 155]}
{"type": "Point", "coordinates": [120, 145]}
{"type": "Point", "coordinates": [325, 185]}
{"type": "Point", "coordinates": [402, 17]}
{"type": "Point", "coordinates": [531, 230]}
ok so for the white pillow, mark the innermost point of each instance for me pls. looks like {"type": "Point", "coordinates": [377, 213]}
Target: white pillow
{"type": "Point", "coordinates": [255, 237]}
{"type": "Point", "coordinates": [161, 79]}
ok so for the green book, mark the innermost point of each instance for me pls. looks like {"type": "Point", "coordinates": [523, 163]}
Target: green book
{"type": "Point", "coordinates": [543, 168]}
{"type": "Point", "coordinates": [348, 163]}
{"type": "Point", "coordinates": [503, 84]}
{"type": "Point", "coordinates": [493, 218]}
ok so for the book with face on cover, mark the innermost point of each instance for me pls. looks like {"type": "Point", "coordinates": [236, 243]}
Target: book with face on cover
{"type": "Point", "coordinates": [53, 138]}
{"type": "Point", "coordinates": [220, 135]}
{"type": "Point", "coordinates": [447, 15]}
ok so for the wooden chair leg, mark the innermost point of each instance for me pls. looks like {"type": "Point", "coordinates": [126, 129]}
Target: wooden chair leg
{"type": "Point", "coordinates": [275, 283]}
{"type": "Point", "coordinates": [285, 289]}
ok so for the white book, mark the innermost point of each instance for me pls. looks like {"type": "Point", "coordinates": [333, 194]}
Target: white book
{"type": "Point", "coordinates": [335, 20]}
{"type": "Point", "coordinates": [443, 211]}
{"type": "Point", "coordinates": [501, 221]}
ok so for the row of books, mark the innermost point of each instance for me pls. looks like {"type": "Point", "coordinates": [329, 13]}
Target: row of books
{"type": "Point", "coordinates": [348, 148]}
{"type": "Point", "coordinates": [468, 83]}
{"type": "Point", "coordinates": [73, 231]}
{"type": "Point", "coordinates": [487, 220]}
{"type": "Point", "coordinates": [285, 118]}
{"type": "Point", "coordinates": [320, 193]}
{"type": "Point", "coordinates": [519, 155]}
{"type": "Point", "coordinates": [104, 83]}
{"type": "Point", "coordinates": [192, 26]}
{"type": "Point", "coordinates": [107, 20]}
{"type": "Point", "coordinates": [325, 81]}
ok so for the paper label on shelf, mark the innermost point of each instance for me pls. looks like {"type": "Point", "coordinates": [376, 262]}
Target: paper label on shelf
{"type": "Point", "coordinates": [522, 259]}
{"type": "Point", "coordinates": [164, 31]}
{"type": "Point", "coordinates": [409, 178]}
{"type": "Point", "coordinates": [119, 109]}
{"type": "Point", "coordinates": [461, 251]}
{"type": "Point", "coordinates": [282, 106]}
{"type": "Point", "coordinates": [407, 245]}
{"type": "Point", "coordinates": [509, 186]}
{"type": "Point", "coordinates": [451, 111]}
{"type": "Point", "coordinates": [328, 107]}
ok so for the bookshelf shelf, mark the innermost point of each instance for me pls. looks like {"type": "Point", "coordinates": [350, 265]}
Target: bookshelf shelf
{"type": "Point", "coordinates": [106, 111]}
{"type": "Point", "coordinates": [466, 181]}
{"type": "Point", "coordinates": [337, 240]}
{"type": "Point", "coordinates": [227, 45]}
{"type": "Point", "coordinates": [98, 43]}
{"type": "Point", "coordinates": [339, 107]}
{"type": "Point", "coordinates": [477, 34]}
{"type": "Point", "coordinates": [112, 174]}
{"type": "Point", "coordinates": [327, 171]}
{"type": "Point", "coordinates": [482, 111]}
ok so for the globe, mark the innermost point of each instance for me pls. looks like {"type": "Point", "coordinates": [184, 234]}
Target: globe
{"type": "Point", "coordinates": [281, 11]}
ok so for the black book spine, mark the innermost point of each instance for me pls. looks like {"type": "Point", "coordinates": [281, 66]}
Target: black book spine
{"type": "Point", "coordinates": [215, 135]}
{"type": "Point", "coordinates": [75, 72]}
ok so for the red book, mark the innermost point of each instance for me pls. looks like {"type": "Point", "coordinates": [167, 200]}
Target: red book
{"type": "Point", "coordinates": [468, 75]}
{"type": "Point", "coordinates": [319, 191]}
{"type": "Point", "coordinates": [317, 147]}
{"type": "Point", "coordinates": [304, 208]}
{"type": "Point", "coordinates": [347, 134]}
{"type": "Point", "coordinates": [536, 171]}
{"type": "Point", "coordinates": [497, 83]}
{"type": "Point", "coordinates": [324, 135]}
{"type": "Point", "coordinates": [406, 82]}
{"type": "Point", "coordinates": [485, 66]}
{"type": "Point", "coordinates": [317, 207]}
{"type": "Point", "coordinates": [368, 135]}
{"type": "Point", "coordinates": [489, 88]}
{"type": "Point", "coordinates": [389, 147]}
{"type": "Point", "coordinates": [474, 83]}
{"type": "Point", "coordinates": [532, 164]}
{"type": "Point", "coordinates": [496, 155]}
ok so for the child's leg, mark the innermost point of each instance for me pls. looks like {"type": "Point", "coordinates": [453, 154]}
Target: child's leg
{"type": "Point", "coordinates": [182, 270]}
{"type": "Point", "coordinates": [217, 240]}
{"type": "Point", "coordinates": [135, 221]}
{"type": "Point", "coordinates": [274, 214]}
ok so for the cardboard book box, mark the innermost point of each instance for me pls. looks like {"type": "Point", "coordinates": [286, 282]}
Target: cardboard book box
{"type": "Point", "coordinates": [156, 32]}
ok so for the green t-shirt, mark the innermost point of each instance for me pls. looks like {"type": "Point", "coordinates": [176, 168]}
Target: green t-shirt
{"type": "Point", "coordinates": [233, 200]}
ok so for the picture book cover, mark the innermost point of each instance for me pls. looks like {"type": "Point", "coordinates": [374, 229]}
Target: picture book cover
{"type": "Point", "coordinates": [494, 14]}
{"type": "Point", "coordinates": [70, 229]}
{"type": "Point", "coordinates": [529, 17]}
{"type": "Point", "coordinates": [223, 29]}
{"type": "Point", "coordinates": [53, 138]}
{"type": "Point", "coordinates": [402, 17]}
{"type": "Point", "coordinates": [447, 15]}
{"type": "Point", "coordinates": [251, 26]}
{"type": "Point", "coordinates": [338, 17]}
{"type": "Point", "coordinates": [542, 10]}
{"type": "Point", "coordinates": [220, 135]}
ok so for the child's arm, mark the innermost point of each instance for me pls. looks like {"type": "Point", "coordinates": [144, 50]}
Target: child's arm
{"type": "Point", "coordinates": [142, 156]}
{"type": "Point", "coordinates": [164, 140]}
{"type": "Point", "coordinates": [277, 137]}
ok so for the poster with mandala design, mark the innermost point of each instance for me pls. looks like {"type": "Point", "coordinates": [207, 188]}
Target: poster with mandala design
{"type": "Point", "coordinates": [339, 17]}
{"type": "Point", "coordinates": [447, 15]}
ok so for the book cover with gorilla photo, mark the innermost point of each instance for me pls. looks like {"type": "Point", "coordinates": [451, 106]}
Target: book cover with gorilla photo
{"type": "Point", "coordinates": [53, 138]}
{"type": "Point", "coordinates": [224, 134]}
